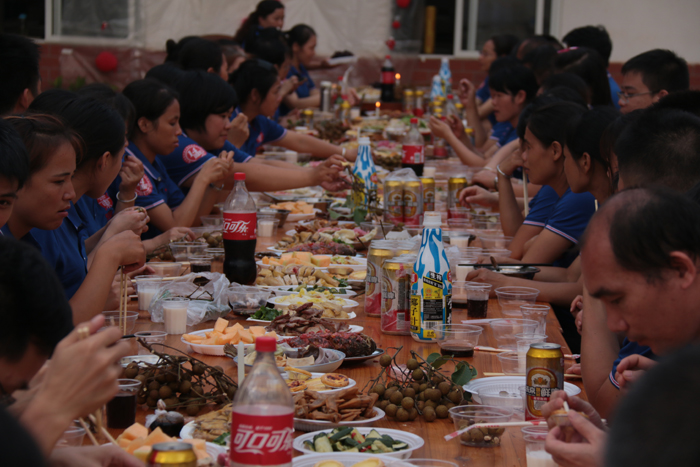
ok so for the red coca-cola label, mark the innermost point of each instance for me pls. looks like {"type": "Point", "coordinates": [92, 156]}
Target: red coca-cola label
{"type": "Point", "coordinates": [413, 154]}
{"type": "Point", "coordinates": [240, 225]}
{"type": "Point", "coordinates": [261, 439]}
{"type": "Point", "coordinates": [388, 77]}
{"type": "Point", "coordinates": [440, 151]}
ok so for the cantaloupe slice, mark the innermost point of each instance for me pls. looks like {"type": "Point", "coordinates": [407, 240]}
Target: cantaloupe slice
{"type": "Point", "coordinates": [201, 454]}
{"type": "Point", "coordinates": [157, 436]}
{"type": "Point", "coordinates": [257, 331]}
{"type": "Point", "coordinates": [285, 258]}
{"type": "Point", "coordinates": [135, 431]}
{"type": "Point", "coordinates": [142, 453]}
{"type": "Point", "coordinates": [272, 334]}
{"type": "Point", "coordinates": [193, 338]}
{"type": "Point", "coordinates": [303, 255]}
{"type": "Point", "coordinates": [321, 261]}
{"type": "Point", "coordinates": [246, 336]}
{"type": "Point", "coordinates": [135, 444]}
{"type": "Point", "coordinates": [221, 325]}
{"type": "Point", "coordinates": [124, 443]}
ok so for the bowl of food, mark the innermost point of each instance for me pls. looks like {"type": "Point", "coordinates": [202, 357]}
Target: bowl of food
{"type": "Point", "coordinates": [467, 415]}
{"type": "Point", "coordinates": [504, 331]}
{"type": "Point", "coordinates": [511, 298]}
{"type": "Point", "coordinates": [392, 443]}
{"type": "Point", "coordinates": [279, 214]}
{"type": "Point", "coordinates": [112, 319]}
{"type": "Point", "coordinates": [245, 300]}
{"type": "Point", "coordinates": [166, 269]}
{"type": "Point", "coordinates": [212, 221]}
{"type": "Point", "coordinates": [501, 397]}
{"type": "Point", "coordinates": [515, 270]}
{"type": "Point", "coordinates": [182, 251]}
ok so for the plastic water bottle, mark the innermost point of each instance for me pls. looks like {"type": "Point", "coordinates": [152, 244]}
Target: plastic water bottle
{"type": "Point", "coordinates": [431, 283]}
{"type": "Point", "coordinates": [262, 419]}
{"type": "Point", "coordinates": [240, 223]}
{"type": "Point", "coordinates": [445, 76]}
{"type": "Point", "coordinates": [450, 108]}
{"type": "Point", "coordinates": [364, 172]}
{"type": "Point", "coordinates": [413, 149]}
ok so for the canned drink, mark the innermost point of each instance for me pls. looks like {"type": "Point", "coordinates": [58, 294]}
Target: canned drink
{"type": "Point", "coordinates": [544, 375]}
{"type": "Point", "coordinates": [408, 101]}
{"type": "Point", "coordinates": [454, 186]}
{"type": "Point", "coordinates": [428, 193]}
{"type": "Point", "coordinates": [308, 116]}
{"type": "Point", "coordinates": [412, 202]}
{"type": "Point", "coordinates": [379, 251]}
{"type": "Point", "coordinates": [396, 295]}
{"type": "Point", "coordinates": [393, 201]}
{"type": "Point", "coordinates": [174, 454]}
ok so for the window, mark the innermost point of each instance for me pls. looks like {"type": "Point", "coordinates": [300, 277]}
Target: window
{"type": "Point", "coordinates": [109, 22]}
{"type": "Point", "coordinates": [25, 17]}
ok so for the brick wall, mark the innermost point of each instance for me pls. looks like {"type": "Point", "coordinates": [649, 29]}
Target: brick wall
{"type": "Point", "coordinates": [134, 63]}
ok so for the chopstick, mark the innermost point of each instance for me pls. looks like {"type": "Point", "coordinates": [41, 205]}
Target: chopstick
{"type": "Point", "coordinates": [84, 333]}
{"type": "Point", "coordinates": [455, 434]}
{"type": "Point", "coordinates": [496, 350]}
{"type": "Point", "coordinates": [103, 430]}
{"type": "Point", "coordinates": [87, 430]}
{"type": "Point", "coordinates": [504, 264]}
{"type": "Point", "coordinates": [566, 375]}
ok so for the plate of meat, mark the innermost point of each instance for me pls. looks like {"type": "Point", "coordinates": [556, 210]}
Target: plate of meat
{"type": "Point", "coordinates": [352, 344]}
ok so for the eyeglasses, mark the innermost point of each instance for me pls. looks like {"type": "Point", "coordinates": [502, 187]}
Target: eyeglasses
{"type": "Point", "coordinates": [626, 97]}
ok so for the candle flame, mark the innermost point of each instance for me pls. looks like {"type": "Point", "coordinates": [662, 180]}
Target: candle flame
{"type": "Point", "coordinates": [398, 76]}
{"type": "Point", "coordinates": [377, 104]}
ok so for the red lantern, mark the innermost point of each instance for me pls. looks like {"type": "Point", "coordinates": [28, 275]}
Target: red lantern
{"type": "Point", "coordinates": [391, 43]}
{"type": "Point", "coordinates": [106, 62]}
{"type": "Point", "coordinates": [403, 3]}
{"type": "Point", "coordinates": [396, 24]}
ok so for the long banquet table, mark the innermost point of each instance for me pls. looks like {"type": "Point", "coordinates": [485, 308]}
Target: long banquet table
{"type": "Point", "coordinates": [512, 449]}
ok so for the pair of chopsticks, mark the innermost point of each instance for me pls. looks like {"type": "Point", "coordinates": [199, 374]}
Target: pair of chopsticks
{"type": "Point", "coordinates": [123, 302]}
{"type": "Point", "coordinates": [455, 434]}
{"type": "Point", "coordinates": [496, 350]}
{"type": "Point", "coordinates": [96, 418]}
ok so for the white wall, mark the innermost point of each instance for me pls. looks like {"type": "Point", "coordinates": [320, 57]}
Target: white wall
{"type": "Point", "coordinates": [636, 26]}
{"type": "Point", "coordinates": [361, 26]}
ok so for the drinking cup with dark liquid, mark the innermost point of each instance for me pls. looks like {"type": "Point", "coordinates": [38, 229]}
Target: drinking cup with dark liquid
{"type": "Point", "coordinates": [200, 263]}
{"type": "Point", "coordinates": [121, 411]}
{"type": "Point", "coordinates": [477, 299]}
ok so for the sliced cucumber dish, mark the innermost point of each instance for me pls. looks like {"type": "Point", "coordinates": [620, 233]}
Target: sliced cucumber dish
{"type": "Point", "coordinates": [349, 439]}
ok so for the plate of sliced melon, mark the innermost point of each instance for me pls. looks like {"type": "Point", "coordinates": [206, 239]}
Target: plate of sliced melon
{"type": "Point", "coordinates": [212, 341]}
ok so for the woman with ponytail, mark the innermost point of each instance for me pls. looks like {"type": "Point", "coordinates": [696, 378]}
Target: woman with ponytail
{"type": "Point", "coordinates": [268, 14]}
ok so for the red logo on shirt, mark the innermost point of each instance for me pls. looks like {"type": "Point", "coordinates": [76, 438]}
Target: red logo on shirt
{"type": "Point", "coordinates": [105, 201]}
{"type": "Point", "coordinates": [145, 187]}
{"type": "Point", "coordinates": [261, 137]}
{"type": "Point", "coordinates": [193, 153]}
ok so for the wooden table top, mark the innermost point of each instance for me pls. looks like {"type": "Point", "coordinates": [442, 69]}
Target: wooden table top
{"type": "Point", "coordinates": [512, 449]}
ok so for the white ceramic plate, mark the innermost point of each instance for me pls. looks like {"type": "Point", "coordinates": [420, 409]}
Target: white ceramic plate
{"type": "Point", "coordinates": [217, 350]}
{"type": "Point", "coordinates": [283, 290]}
{"type": "Point", "coordinates": [342, 60]}
{"type": "Point", "coordinates": [351, 382]}
{"type": "Point", "coordinates": [329, 367]}
{"type": "Point", "coordinates": [507, 383]}
{"type": "Point", "coordinates": [347, 459]}
{"type": "Point", "coordinates": [302, 217]}
{"type": "Point", "coordinates": [347, 304]}
{"type": "Point", "coordinates": [414, 442]}
{"type": "Point", "coordinates": [146, 358]}
{"type": "Point", "coordinates": [313, 425]}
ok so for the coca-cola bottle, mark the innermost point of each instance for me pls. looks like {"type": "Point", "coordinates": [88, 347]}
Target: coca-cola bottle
{"type": "Point", "coordinates": [413, 149]}
{"type": "Point", "coordinates": [240, 222]}
{"type": "Point", "coordinates": [387, 81]}
{"type": "Point", "coordinates": [262, 418]}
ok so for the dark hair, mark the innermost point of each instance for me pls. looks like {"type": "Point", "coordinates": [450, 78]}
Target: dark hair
{"type": "Point", "coordinates": [537, 102]}
{"type": "Point", "coordinates": [299, 34]}
{"type": "Point", "coordinates": [550, 122]}
{"type": "Point", "coordinates": [585, 135]}
{"type": "Point", "coordinates": [566, 94]}
{"type": "Point", "coordinates": [173, 49]}
{"type": "Point", "coordinates": [570, 81]}
{"type": "Point", "coordinates": [503, 44]}
{"type": "Point", "coordinates": [607, 142]}
{"type": "Point", "coordinates": [203, 94]}
{"type": "Point", "coordinates": [660, 69]}
{"type": "Point", "coordinates": [100, 127]}
{"type": "Point", "coordinates": [116, 100]}
{"type": "Point", "coordinates": [268, 44]}
{"type": "Point", "coordinates": [681, 100]}
{"type": "Point", "coordinates": [42, 135]}
{"type": "Point", "coordinates": [592, 37]}
{"type": "Point", "coordinates": [529, 44]}
{"type": "Point", "coordinates": [52, 101]}
{"type": "Point", "coordinates": [166, 73]}
{"type": "Point", "coordinates": [589, 65]}
{"type": "Point", "coordinates": [513, 79]}
{"type": "Point", "coordinates": [201, 54]}
{"type": "Point", "coordinates": [638, 436]}
{"type": "Point", "coordinates": [19, 57]}
{"type": "Point", "coordinates": [35, 308]}
{"type": "Point", "coordinates": [647, 224]}
{"type": "Point", "coordinates": [253, 74]}
{"type": "Point", "coordinates": [660, 146]}
{"type": "Point", "coordinates": [541, 61]}
{"type": "Point", "coordinates": [14, 160]}
{"type": "Point", "coordinates": [231, 49]}
{"type": "Point", "coordinates": [694, 193]}
{"type": "Point", "coordinates": [263, 10]}
{"type": "Point", "coordinates": [150, 98]}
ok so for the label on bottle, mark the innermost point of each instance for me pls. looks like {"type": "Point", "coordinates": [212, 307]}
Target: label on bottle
{"type": "Point", "coordinates": [262, 439]}
{"type": "Point", "coordinates": [413, 154]}
{"type": "Point", "coordinates": [240, 225]}
{"type": "Point", "coordinates": [388, 77]}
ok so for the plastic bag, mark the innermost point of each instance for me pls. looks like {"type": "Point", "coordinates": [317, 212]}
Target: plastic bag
{"type": "Point", "coordinates": [207, 302]}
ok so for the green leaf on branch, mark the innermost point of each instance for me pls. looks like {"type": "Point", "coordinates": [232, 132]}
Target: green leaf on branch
{"type": "Point", "coordinates": [359, 215]}
{"type": "Point", "coordinates": [436, 360]}
{"type": "Point", "coordinates": [463, 373]}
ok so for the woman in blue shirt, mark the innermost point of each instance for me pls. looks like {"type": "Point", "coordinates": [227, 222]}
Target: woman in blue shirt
{"type": "Point", "coordinates": [45, 202]}
{"type": "Point", "coordinates": [302, 39]}
{"type": "Point", "coordinates": [257, 86]}
{"type": "Point", "coordinates": [155, 133]}
{"type": "Point", "coordinates": [267, 14]}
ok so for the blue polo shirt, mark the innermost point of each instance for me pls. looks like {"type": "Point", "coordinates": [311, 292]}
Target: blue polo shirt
{"type": "Point", "coordinates": [302, 91]}
{"type": "Point", "coordinates": [189, 157]}
{"type": "Point", "coordinates": [262, 131]}
{"type": "Point", "coordinates": [155, 188]}
{"type": "Point", "coordinates": [541, 207]}
{"type": "Point", "coordinates": [64, 248]}
{"type": "Point", "coordinates": [614, 89]}
{"type": "Point", "coordinates": [95, 213]}
{"type": "Point", "coordinates": [503, 133]}
{"type": "Point", "coordinates": [569, 219]}
{"type": "Point", "coordinates": [629, 348]}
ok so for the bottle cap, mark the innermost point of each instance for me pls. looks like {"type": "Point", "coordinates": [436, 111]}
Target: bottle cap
{"type": "Point", "coordinates": [431, 219]}
{"type": "Point", "coordinates": [239, 176]}
{"type": "Point", "coordinates": [388, 57]}
{"type": "Point", "coordinates": [265, 344]}
{"type": "Point", "coordinates": [449, 96]}
{"type": "Point", "coordinates": [414, 120]}
{"type": "Point", "coordinates": [364, 140]}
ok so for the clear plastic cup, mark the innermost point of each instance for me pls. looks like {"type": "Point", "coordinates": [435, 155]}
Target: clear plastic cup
{"type": "Point", "coordinates": [477, 299]}
{"type": "Point", "coordinates": [522, 342]}
{"type": "Point", "coordinates": [112, 319]}
{"type": "Point", "coordinates": [510, 363]}
{"type": "Point", "coordinates": [459, 224]}
{"type": "Point", "coordinates": [267, 227]}
{"type": "Point", "coordinates": [146, 288]}
{"type": "Point", "coordinates": [73, 436]}
{"type": "Point", "coordinates": [457, 340]}
{"type": "Point", "coordinates": [504, 331]}
{"type": "Point", "coordinates": [460, 268]}
{"type": "Point", "coordinates": [182, 251]}
{"type": "Point", "coordinates": [535, 454]}
{"type": "Point", "coordinates": [150, 337]}
{"type": "Point", "coordinates": [200, 263]}
{"type": "Point", "coordinates": [217, 263]}
{"type": "Point", "coordinates": [121, 410]}
{"type": "Point", "coordinates": [175, 315]}
{"type": "Point", "coordinates": [491, 242]}
{"type": "Point", "coordinates": [511, 298]}
{"type": "Point", "coordinates": [537, 313]}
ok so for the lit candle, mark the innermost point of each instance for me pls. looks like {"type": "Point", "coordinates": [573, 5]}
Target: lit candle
{"type": "Point", "coordinates": [398, 79]}
{"type": "Point", "coordinates": [377, 105]}
{"type": "Point", "coordinates": [241, 363]}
